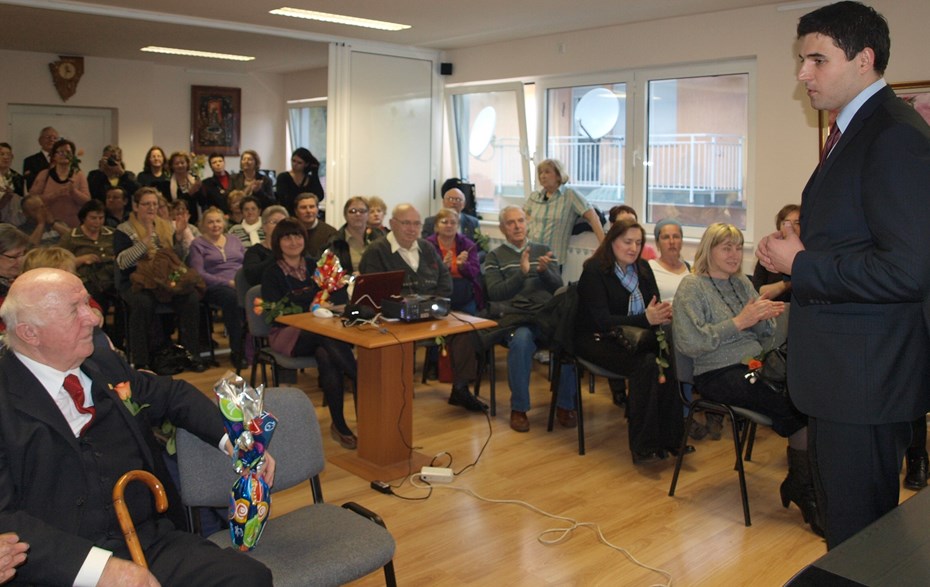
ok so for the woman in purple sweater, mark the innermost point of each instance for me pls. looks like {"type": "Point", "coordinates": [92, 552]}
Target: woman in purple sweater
{"type": "Point", "coordinates": [217, 259]}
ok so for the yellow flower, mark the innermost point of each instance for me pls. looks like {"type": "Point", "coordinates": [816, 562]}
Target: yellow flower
{"type": "Point", "coordinates": [123, 390]}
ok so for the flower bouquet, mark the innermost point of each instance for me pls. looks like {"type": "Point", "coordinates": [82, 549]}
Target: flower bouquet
{"type": "Point", "coordinates": [271, 310]}
{"type": "Point", "coordinates": [250, 429]}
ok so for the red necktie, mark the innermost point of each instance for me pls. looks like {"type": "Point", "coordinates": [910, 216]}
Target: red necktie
{"type": "Point", "coordinates": [74, 388]}
{"type": "Point", "coordinates": [832, 139]}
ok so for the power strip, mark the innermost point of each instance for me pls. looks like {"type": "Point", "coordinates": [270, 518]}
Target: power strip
{"type": "Point", "coordinates": [436, 474]}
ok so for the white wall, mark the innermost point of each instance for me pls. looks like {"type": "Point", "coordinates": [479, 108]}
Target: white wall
{"type": "Point", "coordinates": [153, 103]}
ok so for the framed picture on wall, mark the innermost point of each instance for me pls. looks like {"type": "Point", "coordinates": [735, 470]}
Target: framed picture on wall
{"type": "Point", "coordinates": [917, 94]}
{"type": "Point", "coordinates": [215, 120]}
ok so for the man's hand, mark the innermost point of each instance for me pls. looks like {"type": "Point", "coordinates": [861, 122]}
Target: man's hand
{"type": "Point", "coordinates": [543, 262]}
{"type": "Point", "coordinates": [776, 252]}
{"type": "Point", "coordinates": [268, 469]}
{"type": "Point", "coordinates": [124, 573]}
{"type": "Point", "coordinates": [525, 261]}
{"type": "Point", "coordinates": [658, 312]}
{"type": "Point", "coordinates": [12, 554]}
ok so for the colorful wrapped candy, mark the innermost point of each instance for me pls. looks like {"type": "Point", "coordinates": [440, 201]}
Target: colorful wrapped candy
{"type": "Point", "coordinates": [329, 277]}
{"type": "Point", "coordinates": [250, 429]}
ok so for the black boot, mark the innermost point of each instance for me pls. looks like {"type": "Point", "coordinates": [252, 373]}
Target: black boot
{"type": "Point", "coordinates": [916, 477]}
{"type": "Point", "coordinates": [798, 487]}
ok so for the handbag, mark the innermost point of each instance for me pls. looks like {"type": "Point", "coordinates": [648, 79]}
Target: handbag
{"type": "Point", "coordinates": [635, 339]}
{"type": "Point", "coordinates": [774, 370]}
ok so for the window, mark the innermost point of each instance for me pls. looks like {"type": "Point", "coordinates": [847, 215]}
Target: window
{"type": "Point", "coordinates": [669, 143]}
{"type": "Point", "coordinates": [489, 147]}
{"type": "Point", "coordinates": [307, 128]}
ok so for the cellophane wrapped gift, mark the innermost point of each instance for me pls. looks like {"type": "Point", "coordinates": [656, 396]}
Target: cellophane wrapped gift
{"type": "Point", "coordinates": [250, 429]}
{"type": "Point", "coordinates": [329, 277]}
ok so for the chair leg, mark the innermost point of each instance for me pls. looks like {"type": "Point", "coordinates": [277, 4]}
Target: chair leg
{"type": "Point", "coordinates": [492, 379]}
{"type": "Point", "coordinates": [751, 441]}
{"type": "Point", "coordinates": [738, 448]}
{"type": "Point", "coordinates": [579, 411]}
{"type": "Point", "coordinates": [681, 450]}
{"type": "Point", "coordinates": [555, 376]}
{"type": "Point", "coordinates": [389, 579]}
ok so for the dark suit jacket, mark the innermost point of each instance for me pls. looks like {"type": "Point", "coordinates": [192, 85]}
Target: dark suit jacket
{"type": "Point", "coordinates": [859, 345]}
{"type": "Point", "coordinates": [32, 165]}
{"type": "Point", "coordinates": [42, 476]}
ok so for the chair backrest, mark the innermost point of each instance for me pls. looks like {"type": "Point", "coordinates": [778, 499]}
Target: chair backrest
{"type": "Point", "coordinates": [207, 474]}
{"type": "Point", "coordinates": [257, 325]}
{"type": "Point", "coordinates": [242, 287]}
{"type": "Point", "coordinates": [683, 364]}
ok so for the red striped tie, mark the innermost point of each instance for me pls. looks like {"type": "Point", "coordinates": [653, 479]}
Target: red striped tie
{"type": "Point", "coordinates": [74, 388]}
{"type": "Point", "coordinates": [832, 139]}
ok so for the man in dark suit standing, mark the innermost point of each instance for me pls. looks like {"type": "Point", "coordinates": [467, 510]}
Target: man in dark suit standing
{"type": "Point", "coordinates": [33, 164]}
{"type": "Point", "coordinates": [62, 450]}
{"type": "Point", "coordinates": [859, 342]}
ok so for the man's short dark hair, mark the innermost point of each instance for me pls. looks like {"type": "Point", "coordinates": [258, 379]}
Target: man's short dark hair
{"type": "Point", "coordinates": [853, 27]}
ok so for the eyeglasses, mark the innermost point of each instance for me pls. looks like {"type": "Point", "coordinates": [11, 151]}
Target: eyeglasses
{"type": "Point", "coordinates": [148, 204]}
{"type": "Point", "coordinates": [16, 257]}
{"type": "Point", "coordinates": [409, 223]}
{"type": "Point", "coordinates": [357, 210]}
{"type": "Point", "coordinates": [455, 199]}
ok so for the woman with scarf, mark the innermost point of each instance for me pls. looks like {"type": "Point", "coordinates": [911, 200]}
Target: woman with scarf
{"type": "Point", "coordinates": [249, 229]}
{"type": "Point", "coordinates": [617, 288]}
{"type": "Point", "coordinates": [181, 185]}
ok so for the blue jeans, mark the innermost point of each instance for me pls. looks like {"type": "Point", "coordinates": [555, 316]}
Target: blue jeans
{"type": "Point", "coordinates": [522, 345]}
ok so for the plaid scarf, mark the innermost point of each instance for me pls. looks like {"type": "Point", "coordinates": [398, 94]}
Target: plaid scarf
{"type": "Point", "coordinates": [630, 280]}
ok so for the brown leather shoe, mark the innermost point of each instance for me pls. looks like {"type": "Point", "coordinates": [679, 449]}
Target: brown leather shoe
{"type": "Point", "coordinates": [519, 422]}
{"type": "Point", "coordinates": [566, 418]}
{"type": "Point", "coordinates": [348, 441]}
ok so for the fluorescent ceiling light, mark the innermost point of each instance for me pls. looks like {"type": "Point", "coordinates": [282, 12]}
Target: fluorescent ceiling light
{"type": "Point", "coordinates": [190, 53]}
{"type": "Point", "coordinates": [340, 19]}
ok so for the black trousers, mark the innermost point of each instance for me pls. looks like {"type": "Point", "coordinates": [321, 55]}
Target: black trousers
{"type": "Point", "coordinates": [141, 311]}
{"type": "Point", "coordinates": [654, 409]}
{"type": "Point", "coordinates": [855, 469]}
{"type": "Point", "coordinates": [334, 362]}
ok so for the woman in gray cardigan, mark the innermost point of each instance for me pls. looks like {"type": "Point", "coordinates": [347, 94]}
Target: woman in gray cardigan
{"type": "Point", "coordinates": [718, 320]}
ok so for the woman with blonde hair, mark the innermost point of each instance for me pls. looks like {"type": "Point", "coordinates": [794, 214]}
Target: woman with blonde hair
{"type": "Point", "coordinates": [718, 321]}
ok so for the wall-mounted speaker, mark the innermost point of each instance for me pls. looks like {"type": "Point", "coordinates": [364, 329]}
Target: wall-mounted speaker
{"type": "Point", "coordinates": [445, 69]}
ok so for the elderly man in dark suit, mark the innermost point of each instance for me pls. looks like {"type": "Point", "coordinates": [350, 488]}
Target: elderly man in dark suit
{"type": "Point", "coordinates": [33, 164]}
{"type": "Point", "coordinates": [454, 198]}
{"type": "Point", "coordinates": [861, 279]}
{"type": "Point", "coordinates": [65, 438]}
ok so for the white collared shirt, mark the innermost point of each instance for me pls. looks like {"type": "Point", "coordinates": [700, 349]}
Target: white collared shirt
{"type": "Point", "coordinates": [410, 256]}
{"type": "Point", "coordinates": [53, 381]}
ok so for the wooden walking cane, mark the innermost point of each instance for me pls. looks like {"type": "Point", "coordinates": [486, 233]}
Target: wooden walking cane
{"type": "Point", "coordinates": [122, 512]}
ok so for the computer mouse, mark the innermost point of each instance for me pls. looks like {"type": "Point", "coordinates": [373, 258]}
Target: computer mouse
{"type": "Point", "coordinates": [322, 313]}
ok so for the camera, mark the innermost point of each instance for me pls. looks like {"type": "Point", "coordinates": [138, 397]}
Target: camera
{"type": "Point", "coordinates": [112, 161]}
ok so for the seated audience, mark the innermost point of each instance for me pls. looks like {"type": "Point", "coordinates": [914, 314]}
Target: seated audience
{"type": "Point", "coordinates": [303, 177]}
{"type": "Point", "coordinates": [350, 241]}
{"type": "Point", "coordinates": [154, 169]}
{"type": "Point", "coordinates": [11, 187]}
{"type": "Point", "coordinates": [58, 258]}
{"type": "Point", "coordinates": [460, 254]}
{"type": "Point", "coordinates": [217, 257]}
{"type": "Point", "coordinates": [109, 174]}
{"type": "Point", "coordinates": [521, 277]}
{"type": "Point", "coordinates": [181, 185]}
{"type": "Point", "coordinates": [376, 211]}
{"type": "Point", "coordinates": [92, 246]}
{"type": "Point", "coordinates": [318, 232]}
{"type": "Point", "coordinates": [622, 212]}
{"type": "Point", "coordinates": [252, 181]}
{"type": "Point", "coordinates": [78, 541]}
{"type": "Point", "coordinates": [138, 240]}
{"type": "Point", "coordinates": [291, 277]}
{"type": "Point", "coordinates": [617, 288]}
{"type": "Point", "coordinates": [718, 321]}
{"type": "Point", "coordinates": [116, 204]}
{"type": "Point", "coordinates": [425, 274]}
{"type": "Point", "coordinates": [39, 224]}
{"type": "Point", "coordinates": [454, 199]}
{"type": "Point", "coordinates": [13, 247]}
{"type": "Point", "coordinates": [260, 257]}
{"type": "Point", "coordinates": [234, 203]}
{"type": "Point", "coordinates": [62, 186]}
{"type": "Point", "coordinates": [249, 231]}
{"type": "Point", "coordinates": [770, 285]}
{"type": "Point", "coordinates": [216, 189]}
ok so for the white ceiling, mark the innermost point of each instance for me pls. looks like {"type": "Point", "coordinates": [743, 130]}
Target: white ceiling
{"type": "Point", "coordinates": [119, 28]}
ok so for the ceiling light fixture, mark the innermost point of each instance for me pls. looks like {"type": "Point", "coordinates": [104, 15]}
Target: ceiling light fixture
{"type": "Point", "coordinates": [340, 19]}
{"type": "Point", "coordinates": [191, 53]}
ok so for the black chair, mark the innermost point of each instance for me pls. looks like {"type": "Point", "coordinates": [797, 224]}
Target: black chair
{"type": "Point", "coordinates": [318, 544]}
{"type": "Point", "coordinates": [743, 422]}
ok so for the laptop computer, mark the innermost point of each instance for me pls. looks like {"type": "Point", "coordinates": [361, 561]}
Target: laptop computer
{"type": "Point", "coordinates": [369, 289]}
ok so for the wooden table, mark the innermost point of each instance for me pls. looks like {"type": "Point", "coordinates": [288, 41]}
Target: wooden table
{"type": "Point", "coordinates": [385, 387]}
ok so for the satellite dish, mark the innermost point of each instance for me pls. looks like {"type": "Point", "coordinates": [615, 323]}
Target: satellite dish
{"type": "Point", "coordinates": [597, 113]}
{"type": "Point", "coordinates": [482, 131]}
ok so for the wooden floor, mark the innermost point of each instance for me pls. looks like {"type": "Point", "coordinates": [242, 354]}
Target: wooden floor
{"type": "Point", "coordinates": [452, 538]}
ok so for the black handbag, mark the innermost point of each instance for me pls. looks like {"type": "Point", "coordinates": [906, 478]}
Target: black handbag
{"type": "Point", "coordinates": [635, 339]}
{"type": "Point", "coordinates": [774, 370]}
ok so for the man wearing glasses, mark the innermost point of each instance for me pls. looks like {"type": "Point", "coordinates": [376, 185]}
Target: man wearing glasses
{"type": "Point", "coordinates": [454, 198]}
